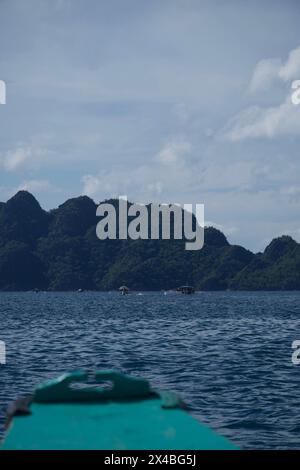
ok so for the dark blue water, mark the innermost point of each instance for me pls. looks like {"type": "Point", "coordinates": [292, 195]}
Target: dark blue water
{"type": "Point", "coordinates": [227, 354]}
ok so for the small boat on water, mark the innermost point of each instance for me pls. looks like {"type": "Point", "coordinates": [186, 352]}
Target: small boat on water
{"type": "Point", "coordinates": [186, 290]}
{"type": "Point", "coordinates": [124, 290]}
{"type": "Point", "coordinates": [130, 415]}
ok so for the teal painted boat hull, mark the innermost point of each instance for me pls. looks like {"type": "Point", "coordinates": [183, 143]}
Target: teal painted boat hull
{"type": "Point", "coordinates": [117, 419]}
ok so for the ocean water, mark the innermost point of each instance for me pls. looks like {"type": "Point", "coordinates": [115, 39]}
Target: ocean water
{"type": "Point", "coordinates": [228, 354]}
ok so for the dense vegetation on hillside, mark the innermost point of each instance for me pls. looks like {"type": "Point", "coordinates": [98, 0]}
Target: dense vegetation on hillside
{"type": "Point", "coordinates": [59, 250]}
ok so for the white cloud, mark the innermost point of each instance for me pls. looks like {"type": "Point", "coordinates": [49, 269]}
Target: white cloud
{"type": "Point", "coordinates": [269, 70]}
{"type": "Point", "coordinates": [23, 156]}
{"type": "Point", "coordinates": [264, 73]}
{"type": "Point", "coordinates": [291, 68]}
{"type": "Point", "coordinates": [138, 183]}
{"type": "Point", "coordinates": [14, 159]}
{"type": "Point", "coordinates": [173, 152]}
{"type": "Point", "coordinates": [226, 229]}
{"type": "Point", "coordinates": [91, 185]}
{"type": "Point", "coordinates": [273, 121]}
{"type": "Point", "coordinates": [35, 186]}
{"type": "Point", "coordinates": [166, 171]}
{"type": "Point", "coordinates": [257, 122]}
{"type": "Point", "coordinates": [156, 187]}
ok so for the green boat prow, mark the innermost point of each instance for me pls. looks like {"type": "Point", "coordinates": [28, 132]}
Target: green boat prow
{"type": "Point", "coordinates": [128, 416]}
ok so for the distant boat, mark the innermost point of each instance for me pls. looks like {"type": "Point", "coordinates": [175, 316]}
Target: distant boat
{"type": "Point", "coordinates": [124, 290]}
{"type": "Point", "coordinates": [186, 290]}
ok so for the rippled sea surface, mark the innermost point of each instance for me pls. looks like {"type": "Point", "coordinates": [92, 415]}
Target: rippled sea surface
{"type": "Point", "coordinates": [227, 354]}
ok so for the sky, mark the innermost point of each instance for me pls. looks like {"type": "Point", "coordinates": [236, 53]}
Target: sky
{"type": "Point", "coordinates": [165, 101]}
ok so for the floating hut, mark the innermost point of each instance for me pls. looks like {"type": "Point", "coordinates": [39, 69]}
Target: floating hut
{"type": "Point", "coordinates": [186, 289]}
{"type": "Point", "coordinates": [124, 290]}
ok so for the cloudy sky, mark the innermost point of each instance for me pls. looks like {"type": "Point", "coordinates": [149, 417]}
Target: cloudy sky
{"type": "Point", "coordinates": [170, 101]}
